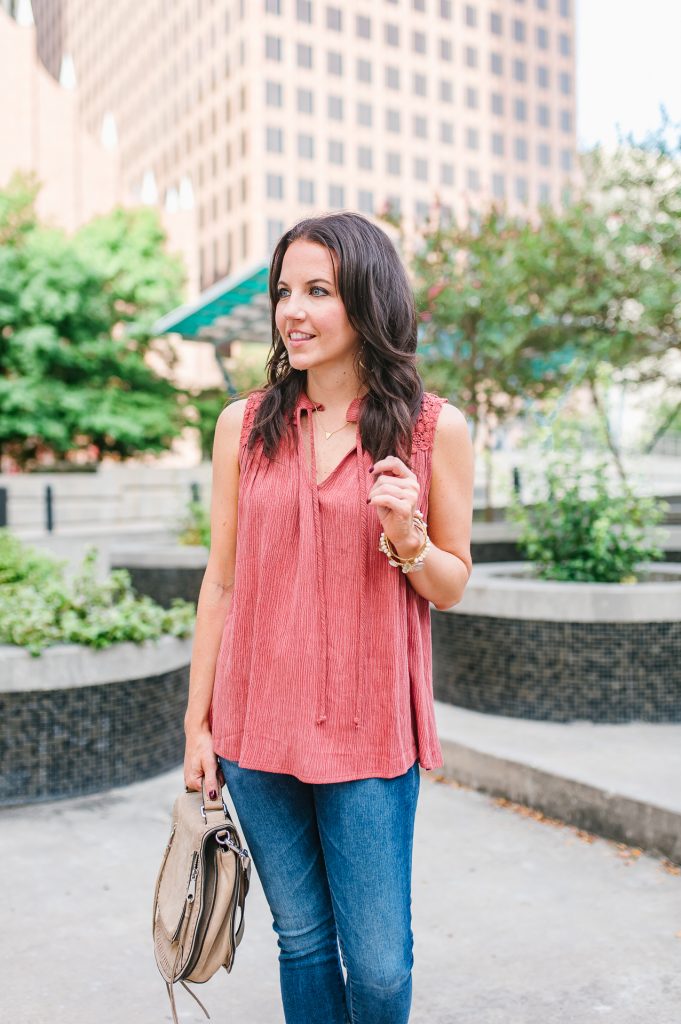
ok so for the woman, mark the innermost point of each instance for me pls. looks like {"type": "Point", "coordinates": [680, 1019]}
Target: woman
{"type": "Point", "coordinates": [310, 685]}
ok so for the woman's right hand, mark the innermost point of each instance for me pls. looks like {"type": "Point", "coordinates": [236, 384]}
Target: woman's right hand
{"type": "Point", "coordinates": [200, 762]}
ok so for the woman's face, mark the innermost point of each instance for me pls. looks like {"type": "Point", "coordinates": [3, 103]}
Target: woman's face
{"type": "Point", "coordinates": [310, 315]}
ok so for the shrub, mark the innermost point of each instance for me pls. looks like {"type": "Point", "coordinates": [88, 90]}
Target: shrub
{"type": "Point", "coordinates": [583, 532]}
{"type": "Point", "coordinates": [196, 526]}
{"type": "Point", "coordinates": [40, 606]}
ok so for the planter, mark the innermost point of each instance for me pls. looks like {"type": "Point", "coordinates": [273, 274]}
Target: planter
{"type": "Point", "coordinates": [163, 571]}
{"type": "Point", "coordinates": [528, 648]}
{"type": "Point", "coordinates": [78, 720]}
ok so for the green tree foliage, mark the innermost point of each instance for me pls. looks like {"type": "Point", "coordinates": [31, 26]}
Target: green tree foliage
{"type": "Point", "coordinates": [75, 328]}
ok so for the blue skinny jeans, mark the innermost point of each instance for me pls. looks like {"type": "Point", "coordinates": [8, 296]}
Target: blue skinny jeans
{"type": "Point", "coordinates": [334, 860]}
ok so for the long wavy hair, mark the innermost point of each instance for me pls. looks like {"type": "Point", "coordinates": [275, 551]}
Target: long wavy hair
{"type": "Point", "coordinates": [379, 303]}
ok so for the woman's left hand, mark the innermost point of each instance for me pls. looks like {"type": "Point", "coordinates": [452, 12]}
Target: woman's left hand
{"type": "Point", "coordinates": [395, 495]}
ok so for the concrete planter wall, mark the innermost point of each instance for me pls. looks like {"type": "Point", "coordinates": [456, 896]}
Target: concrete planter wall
{"type": "Point", "coordinates": [78, 720]}
{"type": "Point", "coordinates": [163, 571]}
{"type": "Point", "coordinates": [557, 651]}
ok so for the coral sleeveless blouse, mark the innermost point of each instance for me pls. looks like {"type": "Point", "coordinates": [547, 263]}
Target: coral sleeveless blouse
{"type": "Point", "coordinates": [324, 669]}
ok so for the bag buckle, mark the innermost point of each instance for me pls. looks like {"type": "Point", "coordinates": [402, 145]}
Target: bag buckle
{"type": "Point", "coordinates": [203, 811]}
{"type": "Point", "coordinates": [224, 840]}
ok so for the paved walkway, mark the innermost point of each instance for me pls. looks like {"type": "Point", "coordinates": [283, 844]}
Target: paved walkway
{"type": "Point", "coordinates": [516, 920]}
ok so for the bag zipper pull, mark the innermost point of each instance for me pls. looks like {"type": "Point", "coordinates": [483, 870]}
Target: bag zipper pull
{"type": "Point", "coordinates": [191, 889]}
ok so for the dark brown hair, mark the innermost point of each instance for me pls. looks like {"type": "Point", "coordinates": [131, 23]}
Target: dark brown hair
{"type": "Point", "coordinates": [379, 303]}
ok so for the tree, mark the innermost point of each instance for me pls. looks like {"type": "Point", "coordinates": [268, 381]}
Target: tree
{"type": "Point", "coordinates": [75, 331]}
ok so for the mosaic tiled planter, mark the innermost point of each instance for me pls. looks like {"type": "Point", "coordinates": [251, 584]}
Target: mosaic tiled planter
{"type": "Point", "coordinates": [527, 648]}
{"type": "Point", "coordinates": [77, 720]}
{"type": "Point", "coordinates": [163, 571]}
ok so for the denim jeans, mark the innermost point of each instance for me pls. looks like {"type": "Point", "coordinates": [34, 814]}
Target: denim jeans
{"type": "Point", "coordinates": [334, 860]}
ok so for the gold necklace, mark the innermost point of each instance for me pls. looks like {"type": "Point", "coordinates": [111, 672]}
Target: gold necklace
{"type": "Point", "coordinates": [330, 432]}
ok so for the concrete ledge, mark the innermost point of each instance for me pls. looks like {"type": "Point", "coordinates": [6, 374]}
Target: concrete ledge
{"type": "Point", "coordinates": [577, 772]}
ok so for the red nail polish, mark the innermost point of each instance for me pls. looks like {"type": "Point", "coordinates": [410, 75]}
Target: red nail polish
{"type": "Point", "coordinates": [212, 794]}
{"type": "Point", "coordinates": [371, 469]}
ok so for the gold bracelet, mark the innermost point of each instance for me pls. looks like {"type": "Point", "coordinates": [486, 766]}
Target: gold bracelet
{"type": "Point", "coordinates": [407, 564]}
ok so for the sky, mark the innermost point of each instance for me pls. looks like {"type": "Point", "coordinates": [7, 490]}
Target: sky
{"type": "Point", "coordinates": [627, 64]}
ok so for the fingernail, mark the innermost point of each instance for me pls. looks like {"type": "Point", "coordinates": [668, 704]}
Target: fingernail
{"type": "Point", "coordinates": [368, 500]}
{"type": "Point", "coordinates": [212, 794]}
{"type": "Point", "coordinates": [371, 469]}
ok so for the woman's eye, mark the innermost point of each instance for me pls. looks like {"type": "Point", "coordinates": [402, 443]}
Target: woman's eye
{"type": "Point", "coordinates": [314, 288]}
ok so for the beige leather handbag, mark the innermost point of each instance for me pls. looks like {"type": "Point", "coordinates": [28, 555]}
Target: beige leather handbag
{"type": "Point", "coordinates": [204, 878]}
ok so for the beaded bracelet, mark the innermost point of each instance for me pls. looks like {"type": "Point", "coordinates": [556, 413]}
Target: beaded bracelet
{"type": "Point", "coordinates": [407, 564]}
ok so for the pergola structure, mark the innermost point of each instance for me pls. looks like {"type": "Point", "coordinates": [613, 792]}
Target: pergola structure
{"type": "Point", "coordinates": [235, 308]}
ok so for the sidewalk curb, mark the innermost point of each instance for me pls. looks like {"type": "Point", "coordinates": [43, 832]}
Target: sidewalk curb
{"type": "Point", "coordinates": [656, 830]}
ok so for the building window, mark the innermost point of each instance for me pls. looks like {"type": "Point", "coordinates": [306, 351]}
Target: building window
{"type": "Point", "coordinates": [304, 55]}
{"type": "Point", "coordinates": [335, 151]}
{"type": "Point", "coordinates": [334, 107]}
{"type": "Point", "coordinates": [519, 70]}
{"type": "Point", "coordinates": [304, 11]}
{"type": "Point", "coordinates": [274, 140]}
{"type": "Point", "coordinates": [544, 154]}
{"type": "Point", "coordinates": [306, 146]}
{"type": "Point", "coordinates": [273, 94]}
{"type": "Point", "coordinates": [565, 83]}
{"type": "Point", "coordinates": [334, 19]}
{"type": "Point", "coordinates": [393, 163]}
{"type": "Point", "coordinates": [336, 197]}
{"type": "Point", "coordinates": [274, 186]}
{"type": "Point", "coordinates": [566, 159]}
{"type": "Point", "coordinates": [305, 101]}
{"type": "Point", "coordinates": [471, 97]}
{"type": "Point", "coordinates": [244, 241]}
{"type": "Point", "coordinates": [419, 5]}
{"type": "Point", "coordinates": [420, 169]}
{"type": "Point", "coordinates": [273, 6]}
{"type": "Point", "coordinates": [497, 104]}
{"type": "Point", "coordinates": [496, 63]}
{"type": "Point", "coordinates": [471, 15]}
{"type": "Point", "coordinates": [564, 45]}
{"type": "Point", "coordinates": [363, 70]}
{"type": "Point", "coordinates": [365, 158]}
{"type": "Point", "coordinates": [275, 229]}
{"type": "Point", "coordinates": [273, 47]}
{"type": "Point", "coordinates": [391, 34]}
{"type": "Point", "coordinates": [305, 190]}
{"type": "Point", "coordinates": [472, 138]}
{"type": "Point", "coordinates": [498, 186]}
{"type": "Point", "coordinates": [446, 9]}
{"type": "Point", "coordinates": [520, 148]}
{"type": "Point", "coordinates": [365, 201]}
{"type": "Point", "coordinates": [544, 192]}
{"type": "Point", "coordinates": [542, 37]}
{"type": "Point", "coordinates": [418, 42]}
{"type": "Point", "coordinates": [471, 57]}
{"type": "Point", "coordinates": [392, 77]}
{"type": "Point", "coordinates": [543, 116]}
{"type": "Point", "coordinates": [473, 179]}
{"type": "Point", "coordinates": [334, 62]}
{"type": "Point", "coordinates": [364, 114]}
{"type": "Point", "coordinates": [420, 127]}
{"type": "Point", "coordinates": [542, 5]}
{"type": "Point", "coordinates": [566, 120]}
{"type": "Point", "coordinates": [421, 211]}
{"type": "Point", "coordinates": [446, 90]}
{"type": "Point", "coordinates": [518, 30]}
{"type": "Point", "coordinates": [447, 132]}
{"type": "Point", "coordinates": [564, 8]}
{"type": "Point", "coordinates": [542, 76]}
{"type": "Point", "coordinates": [445, 49]}
{"type": "Point", "coordinates": [497, 143]}
{"type": "Point", "coordinates": [446, 174]}
{"type": "Point", "coordinates": [496, 24]}
{"type": "Point", "coordinates": [363, 27]}
{"type": "Point", "coordinates": [419, 84]}
{"type": "Point", "coordinates": [521, 189]}
{"type": "Point", "coordinates": [392, 120]}
{"type": "Point", "coordinates": [520, 109]}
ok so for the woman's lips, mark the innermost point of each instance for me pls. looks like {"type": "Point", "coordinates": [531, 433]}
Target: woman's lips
{"type": "Point", "coordinates": [295, 342]}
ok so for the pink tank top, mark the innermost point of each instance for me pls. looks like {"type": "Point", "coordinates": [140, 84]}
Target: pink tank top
{"type": "Point", "coordinates": [325, 668]}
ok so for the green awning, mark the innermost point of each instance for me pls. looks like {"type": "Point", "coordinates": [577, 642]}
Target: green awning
{"type": "Point", "coordinates": [237, 306]}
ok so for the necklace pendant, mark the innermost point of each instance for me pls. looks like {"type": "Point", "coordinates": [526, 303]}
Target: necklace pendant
{"type": "Point", "coordinates": [328, 434]}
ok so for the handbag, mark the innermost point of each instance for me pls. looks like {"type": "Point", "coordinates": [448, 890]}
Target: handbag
{"type": "Point", "coordinates": [203, 880]}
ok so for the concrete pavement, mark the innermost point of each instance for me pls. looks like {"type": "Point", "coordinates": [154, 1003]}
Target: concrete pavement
{"type": "Point", "coordinates": [516, 920]}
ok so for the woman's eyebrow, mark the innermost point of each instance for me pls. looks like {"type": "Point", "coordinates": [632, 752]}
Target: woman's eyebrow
{"type": "Point", "coordinates": [314, 279]}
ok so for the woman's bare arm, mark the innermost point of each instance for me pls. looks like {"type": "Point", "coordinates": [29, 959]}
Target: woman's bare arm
{"type": "Point", "coordinates": [214, 597]}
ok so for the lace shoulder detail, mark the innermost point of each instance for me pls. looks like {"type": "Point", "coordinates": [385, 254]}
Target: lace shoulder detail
{"type": "Point", "coordinates": [424, 428]}
{"type": "Point", "coordinates": [252, 403]}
